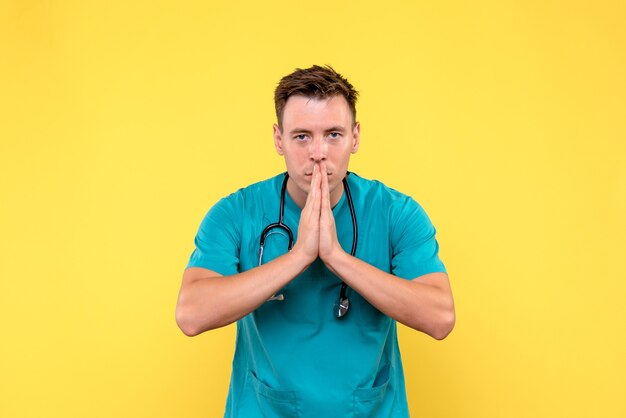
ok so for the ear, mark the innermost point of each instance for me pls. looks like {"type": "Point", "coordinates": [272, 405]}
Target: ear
{"type": "Point", "coordinates": [356, 137]}
{"type": "Point", "coordinates": [278, 140]}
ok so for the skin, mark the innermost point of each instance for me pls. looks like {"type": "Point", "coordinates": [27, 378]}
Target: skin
{"type": "Point", "coordinates": [316, 139]}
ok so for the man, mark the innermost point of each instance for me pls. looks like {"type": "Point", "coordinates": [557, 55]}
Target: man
{"type": "Point", "coordinates": [316, 324]}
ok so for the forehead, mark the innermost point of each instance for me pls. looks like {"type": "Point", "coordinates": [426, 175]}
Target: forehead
{"type": "Point", "coordinates": [307, 112]}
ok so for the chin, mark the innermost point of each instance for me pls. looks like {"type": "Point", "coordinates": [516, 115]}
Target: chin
{"type": "Point", "coordinates": [303, 183]}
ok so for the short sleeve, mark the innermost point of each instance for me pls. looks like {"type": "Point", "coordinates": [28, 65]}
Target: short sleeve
{"type": "Point", "coordinates": [218, 240]}
{"type": "Point", "coordinates": [415, 250]}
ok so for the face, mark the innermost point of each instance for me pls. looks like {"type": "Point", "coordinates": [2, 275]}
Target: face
{"type": "Point", "coordinates": [315, 131]}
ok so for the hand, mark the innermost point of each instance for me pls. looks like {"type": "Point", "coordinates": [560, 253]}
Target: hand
{"type": "Point", "coordinates": [328, 242]}
{"type": "Point", "coordinates": [307, 243]}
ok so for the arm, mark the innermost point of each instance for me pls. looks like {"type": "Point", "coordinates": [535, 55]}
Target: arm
{"type": "Point", "coordinates": [424, 303]}
{"type": "Point", "coordinates": [208, 300]}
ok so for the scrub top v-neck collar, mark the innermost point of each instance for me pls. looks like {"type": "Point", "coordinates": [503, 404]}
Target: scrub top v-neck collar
{"type": "Point", "coordinates": [292, 207]}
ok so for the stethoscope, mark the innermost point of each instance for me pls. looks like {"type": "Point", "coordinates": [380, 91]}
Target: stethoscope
{"type": "Point", "coordinates": [341, 306]}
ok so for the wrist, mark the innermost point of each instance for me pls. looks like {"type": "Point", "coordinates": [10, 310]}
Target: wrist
{"type": "Point", "coordinates": [334, 259]}
{"type": "Point", "coordinates": [299, 258]}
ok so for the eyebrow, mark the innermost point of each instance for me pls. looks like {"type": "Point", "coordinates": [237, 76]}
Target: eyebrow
{"type": "Point", "coordinates": [306, 131]}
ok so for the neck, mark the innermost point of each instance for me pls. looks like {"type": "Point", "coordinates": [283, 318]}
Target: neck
{"type": "Point", "coordinates": [299, 197]}
{"type": "Point", "coordinates": [335, 195]}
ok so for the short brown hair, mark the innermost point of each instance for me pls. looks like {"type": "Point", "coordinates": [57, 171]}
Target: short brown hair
{"type": "Point", "coordinates": [315, 82]}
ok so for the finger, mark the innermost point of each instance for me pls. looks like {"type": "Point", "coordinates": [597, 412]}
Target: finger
{"type": "Point", "coordinates": [325, 189]}
{"type": "Point", "coordinates": [309, 198]}
{"type": "Point", "coordinates": [313, 195]}
{"type": "Point", "coordinates": [326, 215]}
{"type": "Point", "coordinates": [316, 190]}
{"type": "Point", "coordinates": [328, 233]}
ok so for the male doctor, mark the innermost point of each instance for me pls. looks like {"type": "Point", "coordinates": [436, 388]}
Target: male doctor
{"type": "Point", "coordinates": [316, 324]}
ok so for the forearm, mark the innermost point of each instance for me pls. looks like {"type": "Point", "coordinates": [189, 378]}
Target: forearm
{"type": "Point", "coordinates": [211, 302]}
{"type": "Point", "coordinates": [419, 305]}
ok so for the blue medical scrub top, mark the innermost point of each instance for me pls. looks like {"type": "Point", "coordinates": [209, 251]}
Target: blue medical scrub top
{"type": "Point", "coordinates": [294, 358]}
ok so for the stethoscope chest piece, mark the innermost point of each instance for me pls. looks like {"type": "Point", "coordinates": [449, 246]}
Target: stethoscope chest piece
{"type": "Point", "coordinates": [341, 306]}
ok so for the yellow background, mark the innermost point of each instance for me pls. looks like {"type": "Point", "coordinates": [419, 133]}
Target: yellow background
{"type": "Point", "coordinates": [121, 123]}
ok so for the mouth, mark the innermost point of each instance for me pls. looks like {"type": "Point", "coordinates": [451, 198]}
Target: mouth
{"type": "Point", "coordinates": [328, 173]}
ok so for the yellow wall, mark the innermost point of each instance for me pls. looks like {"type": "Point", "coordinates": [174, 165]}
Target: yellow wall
{"type": "Point", "coordinates": [121, 123]}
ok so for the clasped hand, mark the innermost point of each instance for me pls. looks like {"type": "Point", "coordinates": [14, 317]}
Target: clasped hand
{"type": "Point", "coordinates": [317, 234]}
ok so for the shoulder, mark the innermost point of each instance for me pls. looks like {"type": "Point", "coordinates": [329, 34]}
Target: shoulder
{"type": "Point", "coordinates": [254, 192]}
{"type": "Point", "coordinates": [376, 193]}
{"type": "Point", "coordinates": [382, 202]}
{"type": "Point", "coordinates": [245, 200]}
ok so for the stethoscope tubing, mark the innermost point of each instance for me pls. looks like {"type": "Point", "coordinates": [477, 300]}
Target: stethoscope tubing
{"type": "Point", "coordinates": [342, 305]}
{"type": "Point", "coordinates": [280, 224]}
{"type": "Point", "coordinates": [355, 233]}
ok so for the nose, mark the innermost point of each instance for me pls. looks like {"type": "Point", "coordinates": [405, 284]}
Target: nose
{"type": "Point", "coordinates": [318, 150]}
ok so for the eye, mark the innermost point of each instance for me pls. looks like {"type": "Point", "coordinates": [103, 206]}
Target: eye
{"type": "Point", "coordinates": [301, 137]}
{"type": "Point", "coordinates": [334, 135]}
